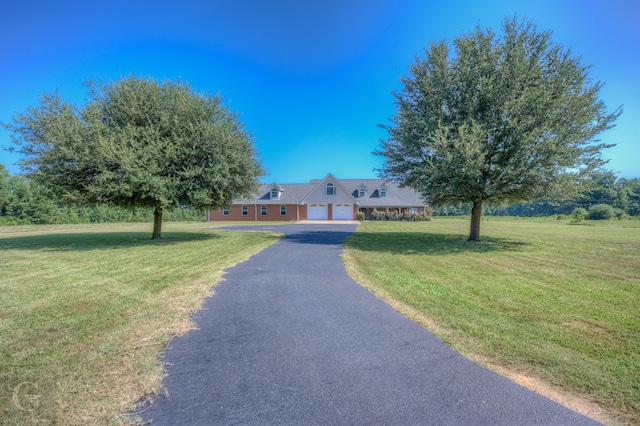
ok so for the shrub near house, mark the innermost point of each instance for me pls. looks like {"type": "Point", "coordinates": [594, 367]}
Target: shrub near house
{"type": "Point", "coordinates": [406, 216]}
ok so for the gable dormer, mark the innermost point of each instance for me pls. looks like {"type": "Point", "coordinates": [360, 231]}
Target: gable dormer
{"type": "Point", "coordinates": [275, 191]}
{"type": "Point", "coordinates": [361, 191]}
{"type": "Point", "coordinates": [383, 191]}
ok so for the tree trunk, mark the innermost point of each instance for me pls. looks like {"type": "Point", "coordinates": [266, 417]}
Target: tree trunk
{"type": "Point", "coordinates": [157, 223]}
{"type": "Point", "coordinates": [476, 214]}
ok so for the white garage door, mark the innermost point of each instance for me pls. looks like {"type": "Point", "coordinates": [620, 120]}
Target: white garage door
{"type": "Point", "coordinates": [342, 212]}
{"type": "Point", "coordinates": [317, 212]}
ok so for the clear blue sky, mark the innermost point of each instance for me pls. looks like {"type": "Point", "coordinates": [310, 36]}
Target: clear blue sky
{"type": "Point", "coordinates": [310, 79]}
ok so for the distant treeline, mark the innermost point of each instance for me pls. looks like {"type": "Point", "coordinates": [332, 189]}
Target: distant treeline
{"type": "Point", "coordinates": [23, 202]}
{"type": "Point", "coordinates": [623, 195]}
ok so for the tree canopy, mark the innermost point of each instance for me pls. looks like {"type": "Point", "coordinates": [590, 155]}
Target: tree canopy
{"type": "Point", "coordinates": [138, 143]}
{"type": "Point", "coordinates": [505, 118]}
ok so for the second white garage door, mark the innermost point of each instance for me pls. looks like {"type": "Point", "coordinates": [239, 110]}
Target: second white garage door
{"type": "Point", "coordinates": [342, 212]}
{"type": "Point", "coordinates": [317, 212]}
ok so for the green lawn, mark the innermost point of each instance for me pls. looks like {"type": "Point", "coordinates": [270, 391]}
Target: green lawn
{"type": "Point", "coordinates": [86, 309]}
{"type": "Point", "coordinates": [539, 300]}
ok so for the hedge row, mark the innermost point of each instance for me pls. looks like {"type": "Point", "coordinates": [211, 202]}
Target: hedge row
{"type": "Point", "coordinates": [395, 216]}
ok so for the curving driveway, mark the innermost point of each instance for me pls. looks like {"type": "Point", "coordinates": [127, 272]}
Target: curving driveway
{"type": "Point", "coordinates": [290, 338]}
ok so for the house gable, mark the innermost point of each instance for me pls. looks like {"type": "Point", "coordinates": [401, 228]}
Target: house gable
{"type": "Point", "coordinates": [330, 191]}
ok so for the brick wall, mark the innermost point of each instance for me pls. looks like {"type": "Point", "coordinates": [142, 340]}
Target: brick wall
{"type": "Point", "coordinates": [254, 212]}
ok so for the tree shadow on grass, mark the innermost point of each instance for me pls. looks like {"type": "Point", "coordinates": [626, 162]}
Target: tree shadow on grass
{"type": "Point", "coordinates": [305, 234]}
{"type": "Point", "coordinates": [99, 241]}
{"type": "Point", "coordinates": [319, 237]}
{"type": "Point", "coordinates": [428, 243]}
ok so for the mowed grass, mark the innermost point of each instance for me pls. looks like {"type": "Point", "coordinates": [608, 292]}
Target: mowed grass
{"type": "Point", "coordinates": [85, 312]}
{"type": "Point", "coordinates": [555, 306]}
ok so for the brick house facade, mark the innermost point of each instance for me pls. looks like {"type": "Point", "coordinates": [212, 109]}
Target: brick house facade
{"type": "Point", "coordinates": [326, 199]}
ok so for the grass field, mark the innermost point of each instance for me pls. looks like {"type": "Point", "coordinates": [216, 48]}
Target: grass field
{"type": "Point", "coordinates": [551, 305]}
{"type": "Point", "coordinates": [85, 311]}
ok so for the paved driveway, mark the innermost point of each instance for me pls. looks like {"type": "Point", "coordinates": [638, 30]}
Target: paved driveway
{"type": "Point", "coordinates": [289, 338]}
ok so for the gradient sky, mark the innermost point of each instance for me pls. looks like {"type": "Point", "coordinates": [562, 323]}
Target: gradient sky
{"type": "Point", "coordinates": [311, 80]}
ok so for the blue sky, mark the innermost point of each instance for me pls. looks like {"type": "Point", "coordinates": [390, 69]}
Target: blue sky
{"type": "Point", "coordinates": [311, 80]}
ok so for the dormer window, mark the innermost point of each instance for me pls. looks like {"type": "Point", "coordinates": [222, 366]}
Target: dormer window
{"type": "Point", "coordinates": [275, 194]}
{"type": "Point", "coordinates": [330, 189]}
{"type": "Point", "coordinates": [361, 191]}
{"type": "Point", "coordinates": [382, 192]}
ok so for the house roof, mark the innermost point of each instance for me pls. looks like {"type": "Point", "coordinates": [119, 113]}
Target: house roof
{"type": "Point", "coordinates": [292, 193]}
{"type": "Point", "coordinates": [297, 193]}
{"type": "Point", "coordinates": [396, 196]}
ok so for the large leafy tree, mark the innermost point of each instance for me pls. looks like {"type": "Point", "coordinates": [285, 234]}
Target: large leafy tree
{"type": "Point", "coordinates": [137, 142]}
{"type": "Point", "coordinates": [505, 118]}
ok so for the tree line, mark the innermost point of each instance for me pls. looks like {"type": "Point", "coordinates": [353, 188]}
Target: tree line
{"type": "Point", "coordinates": [24, 202]}
{"type": "Point", "coordinates": [621, 196]}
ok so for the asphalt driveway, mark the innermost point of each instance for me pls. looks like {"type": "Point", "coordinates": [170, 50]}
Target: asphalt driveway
{"type": "Point", "coordinates": [290, 338]}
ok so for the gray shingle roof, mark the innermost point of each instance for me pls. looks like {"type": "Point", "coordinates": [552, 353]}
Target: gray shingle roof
{"type": "Point", "coordinates": [294, 193]}
{"type": "Point", "coordinates": [396, 196]}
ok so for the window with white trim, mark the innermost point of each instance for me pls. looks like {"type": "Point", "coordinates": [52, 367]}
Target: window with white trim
{"type": "Point", "coordinates": [382, 192]}
{"type": "Point", "coordinates": [275, 194]}
{"type": "Point", "coordinates": [361, 193]}
{"type": "Point", "coordinates": [225, 212]}
{"type": "Point", "coordinates": [263, 210]}
{"type": "Point", "coordinates": [283, 210]}
{"type": "Point", "coordinates": [330, 189]}
{"type": "Point", "coordinates": [245, 210]}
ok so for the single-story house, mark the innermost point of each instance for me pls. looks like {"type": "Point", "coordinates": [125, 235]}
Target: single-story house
{"type": "Point", "coordinates": [326, 199]}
